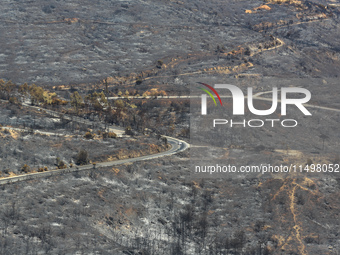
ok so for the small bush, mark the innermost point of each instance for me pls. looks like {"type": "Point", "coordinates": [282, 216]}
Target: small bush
{"type": "Point", "coordinates": [42, 169]}
{"type": "Point", "coordinates": [159, 64]}
{"type": "Point", "coordinates": [82, 158]}
{"type": "Point", "coordinates": [13, 100]}
{"type": "Point", "coordinates": [128, 131]}
{"type": "Point", "coordinates": [112, 135]}
{"type": "Point", "coordinates": [26, 168]}
{"type": "Point", "coordinates": [109, 135]}
{"type": "Point", "coordinates": [62, 165]}
{"type": "Point", "coordinates": [309, 162]}
{"type": "Point", "coordinates": [89, 135]}
{"type": "Point", "coordinates": [139, 81]}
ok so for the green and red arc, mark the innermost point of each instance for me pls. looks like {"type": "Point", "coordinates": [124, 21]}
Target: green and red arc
{"type": "Point", "coordinates": [208, 92]}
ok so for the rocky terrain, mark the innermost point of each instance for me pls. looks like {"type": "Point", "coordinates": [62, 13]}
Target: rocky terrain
{"type": "Point", "coordinates": [61, 42]}
{"type": "Point", "coordinates": [38, 141]}
{"type": "Point", "coordinates": [153, 208]}
{"type": "Point", "coordinates": [81, 53]}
